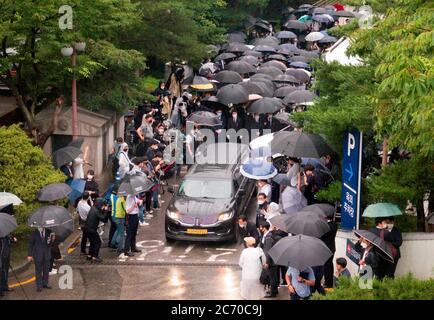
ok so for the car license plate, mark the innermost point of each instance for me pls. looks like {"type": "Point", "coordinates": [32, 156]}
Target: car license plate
{"type": "Point", "coordinates": [197, 231]}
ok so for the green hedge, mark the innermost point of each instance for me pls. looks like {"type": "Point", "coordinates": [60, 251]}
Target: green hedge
{"type": "Point", "coordinates": [24, 169]}
{"type": "Point", "coordinates": [402, 288]}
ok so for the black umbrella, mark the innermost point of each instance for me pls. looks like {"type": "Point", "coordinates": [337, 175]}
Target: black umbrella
{"type": "Point", "coordinates": [283, 117]}
{"type": "Point", "coordinates": [300, 59]}
{"type": "Point", "coordinates": [8, 224]}
{"type": "Point", "coordinates": [295, 25]}
{"type": "Point", "coordinates": [253, 53]}
{"type": "Point", "coordinates": [265, 49]}
{"type": "Point", "coordinates": [250, 59]}
{"type": "Point", "coordinates": [261, 76]}
{"type": "Point", "coordinates": [271, 71]}
{"type": "Point", "coordinates": [256, 87]}
{"type": "Point", "coordinates": [378, 243]}
{"type": "Point", "coordinates": [265, 105]}
{"type": "Point", "coordinates": [77, 143]}
{"type": "Point", "coordinates": [318, 11]}
{"type": "Point", "coordinates": [289, 47]}
{"type": "Point", "coordinates": [300, 145]}
{"type": "Point", "coordinates": [212, 102]}
{"type": "Point", "coordinates": [63, 231]}
{"type": "Point", "coordinates": [268, 41]}
{"type": "Point", "coordinates": [274, 64]}
{"type": "Point", "coordinates": [65, 155]}
{"type": "Point", "coordinates": [225, 56]}
{"type": "Point", "coordinates": [278, 57]}
{"type": "Point", "coordinates": [270, 85]}
{"type": "Point", "coordinates": [300, 252]}
{"type": "Point", "coordinates": [298, 74]}
{"type": "Point", "coordinates": [282, 92]}
{"type": "Point", "coordinates": [286, 35]}
{"type": "Point", "coordinates": [236, 47]}
{"type": "Point", "coordinates": [241, 67]}
{"type": "Point", "coordinates": [278, 221]}
{"type": "Point", "coordinates": [53, 192]}
{"type": "Point", "coordinates": [285, 52]}
{"type": "Point", "coordinates": [300, 97]}
{"type": "Point", "coordinates": [307, 223]}
{"type": "Point", "coordinates": [322, 209]}
{"type": "Point", "coordinates": [49, 216]}
{"type": "Point", "coordinates": [232, 94]}
{"type": "Point", "coordinates": [204, 118]}
{"type": "Point", "coordinates": [208, 69]}
{"type": "Point", "coordinates": [227, 77]}
{"type": "Point", "coordinates": [286, 78]}
{"type": "Point", "coordinates": [134, 184]}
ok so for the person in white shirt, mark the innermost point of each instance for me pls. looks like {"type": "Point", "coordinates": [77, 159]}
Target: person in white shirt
{"type": "Point", "coordinates": [132, 207]}
{"type": "Point", "coordinates": [78, 164]}
{"type": "Point", "coordinates": [251, 261]}
{"type": "Point", "coordinates": [124, 161]}
{"type": "Point", "coordinates": [83, 209]}
{"type": "Point", "coordinates": [264, 187]}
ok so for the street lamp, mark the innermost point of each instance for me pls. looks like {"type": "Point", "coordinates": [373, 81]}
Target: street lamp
{"type": "Point", "coordinates": [72, 52]}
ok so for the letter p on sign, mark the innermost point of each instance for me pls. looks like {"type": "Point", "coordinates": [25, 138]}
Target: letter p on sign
{"type": "Point", "coordinates": [351, 143]}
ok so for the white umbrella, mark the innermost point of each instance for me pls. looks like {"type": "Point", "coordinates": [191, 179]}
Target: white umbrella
{"type": "Point", "coordinates": [314, 36]}
{"type": "Point", "coordinates": [9, 198]}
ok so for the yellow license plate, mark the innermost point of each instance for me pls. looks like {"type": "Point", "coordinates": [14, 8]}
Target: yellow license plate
{"type": "Point", "coordinates": [197, 231]}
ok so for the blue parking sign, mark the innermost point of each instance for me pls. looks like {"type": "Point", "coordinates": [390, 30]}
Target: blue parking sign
{"type": "Point", "coordinates": [351, 179]}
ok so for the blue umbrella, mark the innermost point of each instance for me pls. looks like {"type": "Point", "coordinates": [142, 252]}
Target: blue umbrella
{"type": "Point", "coordinates": [258, 169]}
{"type": "Point", "coordinates": [77, 186]}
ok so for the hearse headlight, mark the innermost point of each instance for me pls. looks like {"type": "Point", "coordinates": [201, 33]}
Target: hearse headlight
{"type": "Point", "coordinates": [173, 215]}
{"type": "Point", "coordinates": [225, 216]}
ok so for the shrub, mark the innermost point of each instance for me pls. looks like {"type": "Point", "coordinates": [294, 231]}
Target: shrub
{"type": "Point", "coordinates": [24, 170]}
{"type": "Point", "coordinates": [402, 288]}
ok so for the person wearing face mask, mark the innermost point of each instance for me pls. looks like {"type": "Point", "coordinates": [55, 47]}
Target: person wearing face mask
{"type": "Point", "coordinates": [91, 185]}
{"type": "Point", "coordinates": [125, 164]}
{"type": "Point", "coordinates": [153, 149]}
{"type": "Point", "coordinates": [159, 133]}
{"type": "Point", "coordinates": [262, 208]}
{"type": "Point", "coordinates": [368, 257]}
{"type": "Point", "coordinates": [247, 229]}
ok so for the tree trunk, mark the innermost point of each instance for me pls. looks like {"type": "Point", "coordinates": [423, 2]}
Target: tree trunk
{"type": "Point", "coordinates": [385, 152]}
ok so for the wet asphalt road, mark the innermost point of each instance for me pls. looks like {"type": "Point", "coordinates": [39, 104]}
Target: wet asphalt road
{"type": "Point", "coordinates": [179, 270]}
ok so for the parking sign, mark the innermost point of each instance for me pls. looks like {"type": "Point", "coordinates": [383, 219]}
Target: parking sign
{"type": "Point", "coordinates": [351, 179]}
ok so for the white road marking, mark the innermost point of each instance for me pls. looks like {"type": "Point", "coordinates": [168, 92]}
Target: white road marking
{"type": "Point", "coordinates": [223, 249]}
{"type": "Point", "coordinates": [167, 250]}
{"type": "Point", "coordinates": [149, 244]}
{"type": "Point", "coordinates": [189, 248]}
{"type": "Point", "coordinates": [214, 257]}
{"type": "Point", "coordinates": [182, 257]}
{"type": "Point", "coordinates": [144, 254]}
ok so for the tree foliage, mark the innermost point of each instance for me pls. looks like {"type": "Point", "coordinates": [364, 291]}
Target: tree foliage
{"type": "Point", "coordinates": [401, 288]}
{"type": "Point", "coordinates": [24, 170]}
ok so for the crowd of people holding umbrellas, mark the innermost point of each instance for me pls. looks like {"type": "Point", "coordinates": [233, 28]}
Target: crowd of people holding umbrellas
{"type": "Point", "coordinates": [253, 82]}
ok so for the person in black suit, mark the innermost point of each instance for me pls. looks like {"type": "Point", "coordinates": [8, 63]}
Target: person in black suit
{"type": "Point", "coordinates": [5, 256]}
{"type": "Point", "coordinates": [247, 229]}
{"type": "Point", "coordinates": [222, 117]}
{"type": "Point", "coordinates": [235, 122]}
{"type": "Point", "coordinates": [281, 270]}
{"type": "Point", "coordinates": [254, 125]}
{"type": "Point", "coordinates": [329, 240]}
{"type": "Point", "coordinates": [369, 257]}
{"type": "Point", "coordinates": [267, 243]}
{"type": "Point", "coordinates": [40, 244]}
{"type": "Point", "coordinates": [68, 172]}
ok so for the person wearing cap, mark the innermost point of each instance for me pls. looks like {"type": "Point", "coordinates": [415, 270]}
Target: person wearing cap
{"type": "Point", "coordinates": [329, 241]}
{"type": "Point", "coordinates": [251, 261]}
